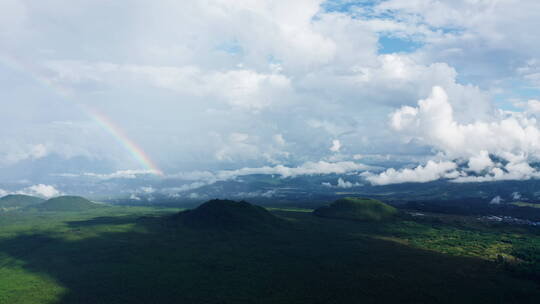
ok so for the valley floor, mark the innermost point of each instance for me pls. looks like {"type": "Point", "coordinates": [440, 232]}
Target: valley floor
{"type": "Point", "coordinates": [140, 255]}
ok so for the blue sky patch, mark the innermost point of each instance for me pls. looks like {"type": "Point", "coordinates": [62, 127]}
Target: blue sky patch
{"type": "Point", "coordinates": [388, 45]}
{"type": "Point", "coordinates": [230, 47]}
{"type": "Point", "coordinates": [344, 6]}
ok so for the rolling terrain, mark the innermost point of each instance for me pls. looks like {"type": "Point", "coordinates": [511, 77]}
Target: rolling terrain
{"type": "Point", "coordinates": [16, 201]}
{"type": "Point", "coordinates": [241, 253]}
{"type": "Point", "coordinates": [67, 203]}
{"type": "Point", "coordinates": [357, 209]}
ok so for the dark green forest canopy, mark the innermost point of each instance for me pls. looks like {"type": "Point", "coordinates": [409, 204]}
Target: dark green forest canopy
{"type": "Point", "coordinates": [362, 209]}
{"type": "Point", "coordinates": [68, 203]}
{"type": "Point", "coordinates": [228, 214]}
{"type": "Point", "coordinates": [19, 201]}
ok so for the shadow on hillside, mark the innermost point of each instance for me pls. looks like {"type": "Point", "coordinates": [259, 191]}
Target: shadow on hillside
{"type": "Point", "coordinates": [104, 220]}
{"type": "Point", "coordinates": [167, 263]}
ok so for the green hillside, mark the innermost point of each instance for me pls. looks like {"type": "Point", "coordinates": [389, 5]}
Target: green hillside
{"type": "Point", "coordinates": [68, 203]}
{"type": "Point", "coordinates": [361, 209]}
{"type": "Point", "coordinates": [15, 201]}
{"type": "Point", "coordinates": [141, 255]}
{"type": "Point", "coordinates": [227, 214]}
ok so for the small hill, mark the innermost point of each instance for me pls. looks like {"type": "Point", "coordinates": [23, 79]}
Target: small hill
{"type": "Point", "coordinates": [228, 215]}
{"type": "Point", "coordinates": [361, 209]}
{"type": "Point", "coordinates": [68, 203]}
{"type": "Point", "coordinates": [15, 201]}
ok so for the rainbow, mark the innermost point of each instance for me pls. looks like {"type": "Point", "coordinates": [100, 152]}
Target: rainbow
{"type": "Point", "coordinates": [136, 152]}
{"type": "Point", "coordinates": [98, 117]}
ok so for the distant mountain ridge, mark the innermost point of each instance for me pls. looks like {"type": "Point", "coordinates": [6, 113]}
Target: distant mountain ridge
{"type": "Point", "coordinates": [361, 209]}
{"type": "Point", "coordinates": [16, 201]}
{"type": "Point", "coordinates": [68, 203]}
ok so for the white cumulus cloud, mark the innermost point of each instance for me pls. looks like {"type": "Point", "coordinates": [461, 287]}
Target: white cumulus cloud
{"type": "Point", "coordinates": [480, 162]}
{"type": "Point", "coordinates": [421, 174]}
{"type": "Point", "coordinates": [46, 191]}
{"type": "Point", "coordinates": [341, 183]}
{"type": "Point", "coordinates": [513, 137]}
{"type": "Point", "coordinates": [336, 145]}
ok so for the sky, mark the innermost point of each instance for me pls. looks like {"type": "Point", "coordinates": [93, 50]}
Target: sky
{"type": "Point", "coordinates": [394, 91]}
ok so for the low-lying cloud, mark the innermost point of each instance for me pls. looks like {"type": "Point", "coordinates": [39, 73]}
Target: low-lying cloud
{"type": "Point", "coordinates": [41, 190]}
{"type": "Point", "coordinates": [421, 174]}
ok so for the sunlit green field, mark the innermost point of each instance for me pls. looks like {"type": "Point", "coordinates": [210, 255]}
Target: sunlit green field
{"type": "Point", "coordinates": [523, 204]}
{"type": "Point", "coordinates": [140, 255]}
